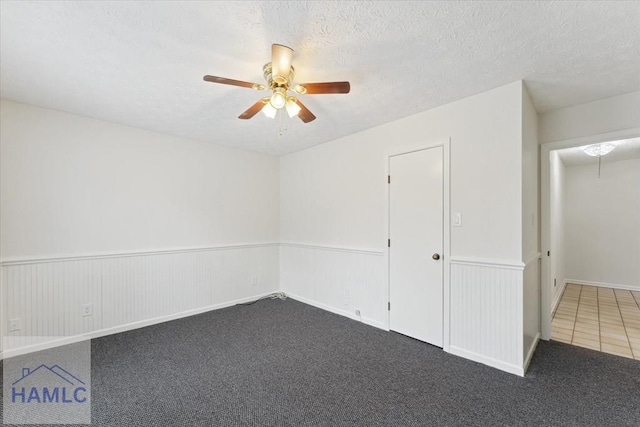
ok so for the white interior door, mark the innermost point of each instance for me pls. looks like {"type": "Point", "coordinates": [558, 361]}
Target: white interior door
{"type": "Point", "coordinates": [416, 218]}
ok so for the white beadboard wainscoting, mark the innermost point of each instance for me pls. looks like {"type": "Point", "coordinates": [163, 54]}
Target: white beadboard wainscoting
{"type": "Point", "coordinates": [340, 280]}
{"type": "Point", "coordinates": [492, 317]}
{"type": "Point", "coordinates": [487, 313]}
{"type": "Point", "coordinates": [128, 291]}
{"type": "Point", "coordinates": [486, 323]}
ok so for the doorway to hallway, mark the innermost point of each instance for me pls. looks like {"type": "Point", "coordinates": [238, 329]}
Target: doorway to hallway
{"type": "Point", "coordinates": [598, 318]}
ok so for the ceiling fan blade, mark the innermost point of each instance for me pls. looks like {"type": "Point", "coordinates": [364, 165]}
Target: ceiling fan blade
{"type": "Point", "coordinates": [304, 113]}
{"type": "Point", "coordinates": [281, 57]}
{"type": "Point", "coordinates": [254, 109]}
{"type": "Point", "coordinates": [225, 81]}
{"type": "Point", "coordinates": [319, 88]}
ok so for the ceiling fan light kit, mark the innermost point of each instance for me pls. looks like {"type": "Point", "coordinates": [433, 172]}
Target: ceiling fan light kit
{"type": "Point", "coordinates": [292, 107]}
{"type": "Point", "coordinates": [279, 97]}
{"type": "Point", "coordinates": [279, 75]}
{"type": "Point", "coordinates": [269, 110]}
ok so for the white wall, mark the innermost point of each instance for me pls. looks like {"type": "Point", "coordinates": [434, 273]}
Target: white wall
{"type": "Point", "coordinates": [73, 185]}
{"type": "Point", "coordinates": [332, 198]}
{"type": "Point", "coordinates": [602, 223]}
{"type": "Point", "coordinates": [530, 226]}
{"type": "Point", "coordinates": [593, 118]}
{"type": "Point", "coordinates": [143, 226]}
{"type": "Point", "coordinates": [557, 215]}
{"type": "Point", "coordinates": [530, 179]}
{"type": "Point", "coordinates": [332, 194]}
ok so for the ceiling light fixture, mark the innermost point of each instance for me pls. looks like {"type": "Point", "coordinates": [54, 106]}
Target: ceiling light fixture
{"type": "Point", "coordinates": [599, 150]}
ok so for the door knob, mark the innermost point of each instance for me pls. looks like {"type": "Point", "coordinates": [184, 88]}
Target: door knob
{"type": "Point", "coordinates": [435, 256]}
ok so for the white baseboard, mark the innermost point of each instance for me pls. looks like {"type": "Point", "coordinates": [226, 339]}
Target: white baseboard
{"type": "Point", "coordinates": [503, 366]}
{"type": "Point", "coordinates": [604, 285]}
{"type": "Point", "coordinates": [532, 349]}
{"type": "Point", "coordinates": [558, 297]}
{"type": "Point", "coordinates": [123, 328]}
{"type": "Point", "coordinates": [341, 312]}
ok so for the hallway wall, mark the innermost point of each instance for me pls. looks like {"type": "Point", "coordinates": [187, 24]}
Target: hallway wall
{"type": "Point", "coordinates": [602, 223]}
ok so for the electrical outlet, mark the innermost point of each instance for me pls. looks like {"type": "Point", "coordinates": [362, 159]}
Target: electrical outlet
{"type": "Point", "coordinates": [14, 325]}
{"type": "Point", "coordinates": [357, 312]}
{"type": "Point", "coordinates": [254, 280]}
{"type": "Point", "coordinates": [87, 310]}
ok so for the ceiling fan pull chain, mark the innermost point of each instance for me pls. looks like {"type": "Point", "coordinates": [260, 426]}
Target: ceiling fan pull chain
{"type": "Point", "coordinates": [282, 123]}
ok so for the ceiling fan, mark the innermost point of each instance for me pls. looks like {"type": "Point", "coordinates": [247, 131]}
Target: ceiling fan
{"type": "Point", "coordinates": [279, 74]}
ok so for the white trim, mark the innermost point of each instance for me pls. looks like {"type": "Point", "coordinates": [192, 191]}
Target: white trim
{"type": "Point", "coordinates": [558, 297]}
{"type": "Point", "coordinates": [365, 251]}
{"type": "Point", "coordinates": [531, 258]}
{"type": "Point", "coordinates": [494, 363]}
{"type": "Point", "coordinates": [338, 311]}
{"type": "Point", "coordinates": [604, 285]}
{"type": "Point", "coordinates": [519, 318]}
{"type": "Point", "coordinates": [532, 350]}
{"type": "Point", "coordinates": [593, 139]}
{"type": "Point", "coordinates": [90, 256]}
{"type": "Point", "coordinates": [126, 327]}
{"type": "Point", "coordinates": [446, 227]}
{"type": "Point", "coordinates": [485, 262]}
{"type": "Point", "coordinates": [446, 292]}
{"type": "Point", "coordinates": [546, 281]}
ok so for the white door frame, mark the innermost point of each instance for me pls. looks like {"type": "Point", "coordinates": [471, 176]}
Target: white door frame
{"type": "Point", "coordinates": [545, 209]}
{"type": "Point", "coordinates": [446, 231]}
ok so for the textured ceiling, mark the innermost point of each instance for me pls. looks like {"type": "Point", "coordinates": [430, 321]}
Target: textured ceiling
{"type": "Point", "coordinates": [141, 63]}
{"type": "Point", "coordinates": [626, 149]}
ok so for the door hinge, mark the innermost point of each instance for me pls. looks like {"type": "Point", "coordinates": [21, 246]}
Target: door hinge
{"type": "Point", "coordinates": [389, 306]}
{"type": "Point", "coordinates": [548, 253]}
{"type": "Point", "coordinates": [388, 243]}
{"type": "Point", "coordinates": [388, 179]}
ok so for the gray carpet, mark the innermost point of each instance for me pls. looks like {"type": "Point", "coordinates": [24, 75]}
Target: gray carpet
{"type": "Point", "coordinates": [284, 363]}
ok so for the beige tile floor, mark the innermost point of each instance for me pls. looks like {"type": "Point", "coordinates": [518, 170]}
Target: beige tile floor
{"type": "Point", "coordinates": [601, 319]}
